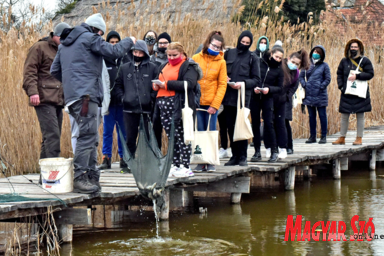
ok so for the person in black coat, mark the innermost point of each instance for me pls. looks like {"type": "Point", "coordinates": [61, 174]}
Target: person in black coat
{"type": "Point", "coordinates": [296, 61]}
{"type": "Point", "coordinates": [242, 66]}
{"type": "Point", "coordinates": [115, 111]}
{"type": "Point", "coordinates": [272, 79]}
{"type": "Point", "coordinates": [133, 87]}
{"type": "Point", "coordinates": [351, 104]}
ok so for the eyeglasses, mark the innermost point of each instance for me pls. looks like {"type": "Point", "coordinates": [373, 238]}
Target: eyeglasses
{"type": "Point", "coordinates": [215, 46]}
{"type": "Point", "coordinates": [163, 43]}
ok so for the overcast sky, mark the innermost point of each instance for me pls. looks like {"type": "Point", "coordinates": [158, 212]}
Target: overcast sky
{"type": "Point", "coordinates": [49, 5]}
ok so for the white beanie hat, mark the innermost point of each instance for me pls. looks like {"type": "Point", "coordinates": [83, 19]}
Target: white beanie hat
{"type": "Point", "coordinates": [97, 21]}
{"type": "Point", "coordinates": [279, 43]}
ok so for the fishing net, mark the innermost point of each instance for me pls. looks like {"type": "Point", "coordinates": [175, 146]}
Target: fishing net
{"type": "Point", "coordinates": [148, 165]}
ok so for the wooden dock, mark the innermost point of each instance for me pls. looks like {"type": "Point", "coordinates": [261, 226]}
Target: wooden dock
{"type": "Point", "coordinates": [120, 189]}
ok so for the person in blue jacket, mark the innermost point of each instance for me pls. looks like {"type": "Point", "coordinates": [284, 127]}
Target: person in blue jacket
{"type": "Point", "coordinates": [315, 82]}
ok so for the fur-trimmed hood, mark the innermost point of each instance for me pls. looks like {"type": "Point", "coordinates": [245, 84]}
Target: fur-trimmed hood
{"type": "Point", "coordinates": [348, 45]}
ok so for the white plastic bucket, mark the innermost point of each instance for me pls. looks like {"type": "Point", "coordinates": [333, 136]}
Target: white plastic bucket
{"type": "Point", "coordinates": [57, 174]}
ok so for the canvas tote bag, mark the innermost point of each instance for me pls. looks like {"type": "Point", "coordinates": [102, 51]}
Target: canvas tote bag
{"type": "Point", "coordinates": [243, 128]}
{"type": "Point", "coordinates": [187, 117]}
{"type": "Point", "coordinates": [358, 88]}
{"type": "Point", "coordinates": [205, 147]}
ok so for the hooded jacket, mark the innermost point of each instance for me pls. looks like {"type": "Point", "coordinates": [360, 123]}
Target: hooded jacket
{"type": "Point", "coordinates": [258, 52]}
{"type": "Point", "coordinates": [272, 79]}
{"type": "Point", "coordinates": [214, 82]}
{"type": "Point", "coordinates": [242, 66]}
{"type": "Point", "coordinates": [133, 84]}
{"type": "Point", "coordinates": [191, 72]}
{"type": "Point", "coordinates": [158, 57]}
{"type": "Point", "coordinates": [350, 103]}
{"type": "Point", "coordinates": [37, 77]}
{"type": "Point", "coordinates": [288, 91]}
{"type": "Point", "coordinates": [79, 61]}
{"type": "Point", "coordinates": [318, 78]}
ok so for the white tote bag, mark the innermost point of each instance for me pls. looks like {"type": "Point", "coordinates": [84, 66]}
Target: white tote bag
{"type": "Point", "coordinates": [358, 88]}
{"type": "Point", "coordinates": [243, 128]}
{"type": "Point", "coordinates": [187, 117]}
{"type": "Point", "coordinates": [205, 147]}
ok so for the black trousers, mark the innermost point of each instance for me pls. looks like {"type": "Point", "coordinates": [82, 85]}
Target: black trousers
{"type": "Point", "coordinates": [51, 119]}
{"type": "Point", "coordinates": [279, 127]}
{"type": "Point", "coordinates": [265, 105]}
{"type": "Point", "coordinates": [223, 129]}
{"type": "Point", "coordinates": [157, 127]}
{"type": "Point", "coordinates": [239, 148]}
{"type": "Point", "coordinates": [289, 134]}
{"type": "Point", "coordinates": [131, 125]}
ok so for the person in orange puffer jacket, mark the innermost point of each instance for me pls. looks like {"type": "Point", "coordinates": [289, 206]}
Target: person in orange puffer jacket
{"type": "Point", "coordinates": [213, 85]}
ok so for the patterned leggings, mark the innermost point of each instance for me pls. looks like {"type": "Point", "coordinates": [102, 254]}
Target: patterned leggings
{"type": "Point", "coordinates": [182, 152]}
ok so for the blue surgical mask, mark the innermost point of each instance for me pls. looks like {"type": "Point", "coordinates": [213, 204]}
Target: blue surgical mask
{"type": "Point", "coordinates": [212, 52]}
{"type": "Point", "coordinates": [316, 56]}
{"type": "Point", "coordinates": [292, 66]}
{"type": "Point", "coordinates": [262, 47]}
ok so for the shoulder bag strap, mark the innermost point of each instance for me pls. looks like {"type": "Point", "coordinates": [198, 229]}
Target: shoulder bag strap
{"type": "Point", "coordinates": [186, 94]}
{"type": "Point", "coordinates": [209, 120]}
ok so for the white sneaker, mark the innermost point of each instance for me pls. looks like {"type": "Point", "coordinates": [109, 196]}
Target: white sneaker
{"type": "Point", "coordinates": [173, 169]}
{"type": "Point", "coordinates": [268, 153]}
{"type": "Point", "coordinates": [222, 153]}
{"type": "Point", "coordinates": [188, 171]}
{"type": "Point", "coordinates": [229, 152]}
{"type": "Point", "coordinates": [283, 153]}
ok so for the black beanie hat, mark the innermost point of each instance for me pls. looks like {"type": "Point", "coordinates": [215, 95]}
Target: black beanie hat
{"type": "Point", "coordinates": [244, 34]}
{"type": "Point", "coordinates": [164, 35]}
{"type": "Point", "coordinates": [113, 34]}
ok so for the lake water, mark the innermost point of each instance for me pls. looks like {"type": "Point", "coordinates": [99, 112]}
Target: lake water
{"type": "Point", "coordinates": [256, 226]}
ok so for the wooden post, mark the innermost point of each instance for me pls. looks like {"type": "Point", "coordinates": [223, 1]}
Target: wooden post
{"type": "Point", "coordinates": [380, 155]}
{"type": "Point", "coordinates": [164, 208]}
{"type": "Point", "coordinates": [336, 169]}
{"type": "Point", "coordinates": [235, 198]}
{"type": "Point", "coordinates": [372, 163]}
{"type": "Point", "coordinates": [65, 233]}
{"type": "Point", "coordinates": [289, 181]}
{"type": "Point", "coordinates": [307, 172]}
{"type": "Point", "coordinates": [344, 164]}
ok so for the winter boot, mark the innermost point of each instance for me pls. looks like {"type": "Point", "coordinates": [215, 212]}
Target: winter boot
{"type": "Point", "coordinates": [339, 141]}
{"type": "Point", "coordinates": [106, 164]}
{"type": "Point", "coordinates": [232, 162]}
{"type": "Point", "coordinates": [323, 140]}
{"type": "Point", "coordinates": [256, 157]}
{"type": "Point", "coordinates": [123, 164]}
{"type": "Point", "coordinates": [94, 178]}
{"type": "Point", "coordinates": [274, 155]}
{"type": "Point", "coordinates": [82, 185]}
{"type": "Point", "coordinates": [243, 161]}
{"type": "Point", "coordinates": [358, 141]}
{"type": "Point", "coordinates": [311, 139]}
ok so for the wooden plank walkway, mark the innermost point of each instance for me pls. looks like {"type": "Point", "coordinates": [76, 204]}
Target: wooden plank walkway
{"type": "Point", "coordinates": [119, 186]}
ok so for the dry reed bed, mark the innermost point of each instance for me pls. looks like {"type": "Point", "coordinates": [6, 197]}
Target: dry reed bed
{"type": "Point", "coordinates": [20, 135]}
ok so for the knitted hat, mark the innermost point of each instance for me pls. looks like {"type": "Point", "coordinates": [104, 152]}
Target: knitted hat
{"type": "Point", "coordinates": [113, 34]}
{"type": "Point", "coordinates": [279, 46]}
{"type": "Point", "coordinates": [59, 28]}
{"type": "Point", "coordinates": [97, 21]}
{"type": "Point", "coordinates": [164, 35]}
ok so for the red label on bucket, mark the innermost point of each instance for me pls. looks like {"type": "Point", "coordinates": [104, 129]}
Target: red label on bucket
{"type": "Point", "coordinates": [53, 175]}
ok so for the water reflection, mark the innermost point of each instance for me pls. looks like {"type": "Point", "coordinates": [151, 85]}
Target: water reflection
{"type": "Point", "coordinates": [257, 226]}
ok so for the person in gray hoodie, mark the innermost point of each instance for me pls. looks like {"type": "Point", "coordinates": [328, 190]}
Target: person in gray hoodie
{"type": "Point", "coordinates": [78, 64]}
{"type": "Point", "coordinates": [133, 86]}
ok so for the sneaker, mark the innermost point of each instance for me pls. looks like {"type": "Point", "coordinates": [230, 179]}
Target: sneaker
{"type": "Point", "coordinates": [211, 168]}
{"type": "Point", "coordinates": [312, 139]}
{"type": "Point", "coordinates": [106, 164]}
{"type": "Point", "coordinates": [187, 171]}
{"type": "Point", "coordinates": [229, 152]}
{"type": "Point", "coordinates": [225, 153]}
{"type": "Point", "coordinates": [181, 173]}
{"type": "Point", "coordinates": [82, 185]}
{"type": "Point", "coordinates": [126, 170]}
{"type": "Point", "coordinates": [172, 170]}
{"type": "Point", "coordinates": [123, 164]}
{"type": "Point", "coordinates": [200, 168]}
{"type": "Point", "coordinates": [283, 153]}
{"type": "Point", "coordinates": [268, 153]}
{"type": "Point", "coordinates": [256, 157]}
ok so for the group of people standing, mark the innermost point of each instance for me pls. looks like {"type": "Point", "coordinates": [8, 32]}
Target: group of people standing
{"type": "Point", "coordinates": [66, 69]}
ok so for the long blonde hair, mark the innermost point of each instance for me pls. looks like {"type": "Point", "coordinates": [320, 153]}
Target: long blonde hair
{"type": "Point", "coordinates": [178, 47]}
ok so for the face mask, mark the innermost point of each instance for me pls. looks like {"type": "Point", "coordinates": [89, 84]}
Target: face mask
{"type": "Point", "coordinates": [162, 49]}
{"type": "Point", "coordinates": [243, 47]}
{"type": "Point", "coordinates": [353, 53]}
{"type": "Point", "coordinates": [316, 56]}
{"type": "Point", "coordinates": [174, 62]}
{"type": "Point", "coordinates": [138, 59]}
{"type": "Point", "coordinates": [150, 40]}
{"type": "Point", "coordinates": [263, 47]}
{"type": "Point", "coordinates": [292, 66]}
{"type": "Point", "coordinates": [212, 52]}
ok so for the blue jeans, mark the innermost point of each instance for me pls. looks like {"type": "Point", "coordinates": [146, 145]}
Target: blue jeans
{"type": "Point", "coordinates": [323, 120]}
{"type": "Point", "coordinates": [202, 120]}
{"type": "Point", "coordinates": [115, 115]}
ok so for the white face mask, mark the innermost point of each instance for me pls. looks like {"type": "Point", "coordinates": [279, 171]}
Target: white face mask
{"type": "Point", "coordinates": [262, 47]}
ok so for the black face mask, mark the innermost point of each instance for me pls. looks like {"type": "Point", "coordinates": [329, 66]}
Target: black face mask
{"type": "Point", "coordinates": [353, 53]}
{"type": "Point", "coordinates": [138, 59]}
{"type": "Point", "coordinates": [243, 47]}
{"type": "Point", "coordinates": [274, 63]}
{"type": "Point", "coordinates": [162, 49]}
